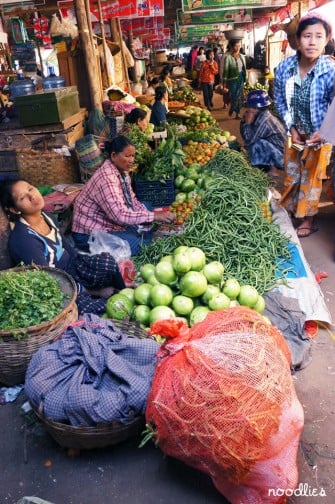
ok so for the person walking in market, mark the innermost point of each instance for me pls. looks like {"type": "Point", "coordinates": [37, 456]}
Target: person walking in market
{"type": "Point", "coordinates": [201, 57]}
{"type": "Point", "coordinates": [209, 68]}
{"type": "Point", "coordinates": [303, 90]}
{"type": "Point", "coordinates": [234, 76]}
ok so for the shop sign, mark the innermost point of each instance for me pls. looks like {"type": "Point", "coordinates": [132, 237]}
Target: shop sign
{"type": "Point", "coordinates": [185, 32]}
{"type": "Point", "coordinates": [204, 5]}
{"type": "Point", "coordinates": [214, 16]}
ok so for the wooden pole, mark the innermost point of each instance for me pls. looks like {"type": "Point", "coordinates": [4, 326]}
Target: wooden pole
{"type": "Point", "coordinates": [89, 54]}
{"type": "Point", "coordinates": [114, 30]}
{"type": "Point", "coordinates": [88, 15]}
{"type": "Point", "coordinates": [125, 68]}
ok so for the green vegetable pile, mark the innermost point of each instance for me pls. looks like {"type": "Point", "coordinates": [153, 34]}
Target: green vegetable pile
{"type": "Point", "coordinates": [28, 298]}
{"type": "Point", "coordinates": [234, 165]}
{"type": "Point", "coordinates": [185, 93]}
{"type": "Point", "coordinates": [164, 160]}
{"type": "Point", "coordinates": [229, 227]}
{"type": "Point", "coordinates": [140, 140]}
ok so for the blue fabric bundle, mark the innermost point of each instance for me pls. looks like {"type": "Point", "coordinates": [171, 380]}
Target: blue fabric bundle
{"type": "Point", "coordinates": [93, 374]}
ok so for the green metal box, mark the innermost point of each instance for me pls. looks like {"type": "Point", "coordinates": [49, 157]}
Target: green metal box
{"type": "Point", "coordinates": [47, 106]}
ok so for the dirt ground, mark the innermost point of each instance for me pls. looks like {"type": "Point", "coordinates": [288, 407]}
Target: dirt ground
{"type": "Point", "coordinates": [32, 464]}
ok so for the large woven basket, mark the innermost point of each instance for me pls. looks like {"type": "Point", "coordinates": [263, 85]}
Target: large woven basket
{"type": "Point", "coordinates": [88, 438]}
{"type": "Point", "coordinates": [15, 354]}
{"type": "Point", "coordinates": [100, 436]}
{"type": "Point", "coordinates": [42, 168]}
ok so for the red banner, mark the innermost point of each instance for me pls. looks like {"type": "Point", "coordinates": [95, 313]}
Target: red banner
{"type": "Point", "coordinates": [140, 25]}
{"type": "Point", "coordinates": [118, 8]}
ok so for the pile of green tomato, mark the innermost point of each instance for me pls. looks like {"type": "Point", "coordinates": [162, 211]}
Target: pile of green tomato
{"type": "Point", "coordinates": [183, 284]}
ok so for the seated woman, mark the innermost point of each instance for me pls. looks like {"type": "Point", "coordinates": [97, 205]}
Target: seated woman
{"type": "Point", "coordinates": [264, 134]}
{"type": "Point", "coordinates": [159, 108]}
{"type": "Point", "coordinates": [165, 78]}
{"type": "Point", "coordinates": [36, 239]}
{"type": "Point", "coordinates": [152, 86]}
{"type": "Point", "coordinates": [108, 202]}
{"type": "Point", "coordinates": [139, 117]}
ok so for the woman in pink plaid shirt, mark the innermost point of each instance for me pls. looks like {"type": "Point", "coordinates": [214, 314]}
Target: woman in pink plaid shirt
{"type": "Point", "coordinates": [108, 202]}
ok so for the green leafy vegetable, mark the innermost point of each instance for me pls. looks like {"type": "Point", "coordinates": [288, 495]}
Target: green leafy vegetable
{"type": "Point", "coordinates": [164, 160]}
{"type": "Point", "coordinates": [28, 298]}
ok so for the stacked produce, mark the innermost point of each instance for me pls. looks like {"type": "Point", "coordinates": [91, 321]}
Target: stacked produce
{"type": "Point", "coordinates": [183, 284]}
{"type": "Point", "coordinates": [229, 226]}
{"type": "Point", "coordinates": [185, 94]}
{"type": "Point", "coordinates": [199, 118]}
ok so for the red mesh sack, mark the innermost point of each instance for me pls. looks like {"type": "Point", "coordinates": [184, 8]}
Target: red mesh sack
{"type": "Point", "coordinates": [223, 401]}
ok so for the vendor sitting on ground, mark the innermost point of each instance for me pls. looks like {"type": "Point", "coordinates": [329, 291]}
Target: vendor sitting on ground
{"type": "Point", "coordinates": [108, 202]}
{"type": "Point", "coordinates": [165, 78]}
{"type": "Point", "coordinates": [263, 134]}
{"type": "Point", "coordinates": [139, 117]}
{"type": "Point", "coordinates": [36, 239]}
{"type": "Point", "coordinates": [152, 86]}
{"type": "Point", "coordinates": [159, 108]}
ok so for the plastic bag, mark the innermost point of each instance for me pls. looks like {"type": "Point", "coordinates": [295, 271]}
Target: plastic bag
{"type": "Point", "coordinates": [101, 241]}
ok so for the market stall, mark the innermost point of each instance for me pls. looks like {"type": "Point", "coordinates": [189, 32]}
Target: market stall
{"type": "Point", "coordinates": [221, 295]}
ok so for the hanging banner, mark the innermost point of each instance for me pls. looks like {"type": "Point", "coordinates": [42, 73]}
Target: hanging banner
{"type": "Point", "coordinates": [215, 16]}
{"type": "Point", "coordinates": [138, 25]}
{"type": "Point", "coordinates": [198, 5]}
{"type": "Point", "coordinates": [117, 8]}
{"type": "Point", "coordinates": [198, 32]}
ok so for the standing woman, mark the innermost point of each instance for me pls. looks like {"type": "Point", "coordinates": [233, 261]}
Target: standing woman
{"type": "Point", "coordinates": [234, 76]}
{"type": "Point", "coordinates": [209, 68]}
{"type": "Point", "coordinates": [198, 62]}
{"type": "Point", "coordinates": [303, 90]}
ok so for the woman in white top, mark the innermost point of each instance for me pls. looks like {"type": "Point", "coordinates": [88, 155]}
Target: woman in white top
{"type": "Point", "coordinates": [152, 86]}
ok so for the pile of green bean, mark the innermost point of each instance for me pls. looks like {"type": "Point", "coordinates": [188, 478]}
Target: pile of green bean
{"type": "Point", "coordinates": [229, 227]}
{"type": "Point", "coordinates": [235, 165]}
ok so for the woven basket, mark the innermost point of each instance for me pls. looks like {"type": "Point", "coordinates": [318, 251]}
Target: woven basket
{"type": "Point", "coordinates": [47, 167]}
{"type": "Point", "coordinates": [15, 355]}
{"type": "Point", "coordinates": [145, 99]}
{"type": "Point", "coordinates": [87, 438]}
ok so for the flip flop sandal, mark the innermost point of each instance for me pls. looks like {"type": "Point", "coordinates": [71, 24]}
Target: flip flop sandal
{"type": "Point", "coordinates": [306, 231]}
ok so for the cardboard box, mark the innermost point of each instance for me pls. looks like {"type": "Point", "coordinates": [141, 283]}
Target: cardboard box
{"type": "Point", "coordinates": [47, 106]}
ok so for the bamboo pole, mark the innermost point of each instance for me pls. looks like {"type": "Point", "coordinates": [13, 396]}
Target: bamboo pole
{"type": "Point", "coordinates": [89, 54]}
{"type": "Point", "coordinates": [125, 68]}
{"type": "Point", "coordinates": [104, 43]}
{"type": "Point", "coordinates": [88, 15]}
